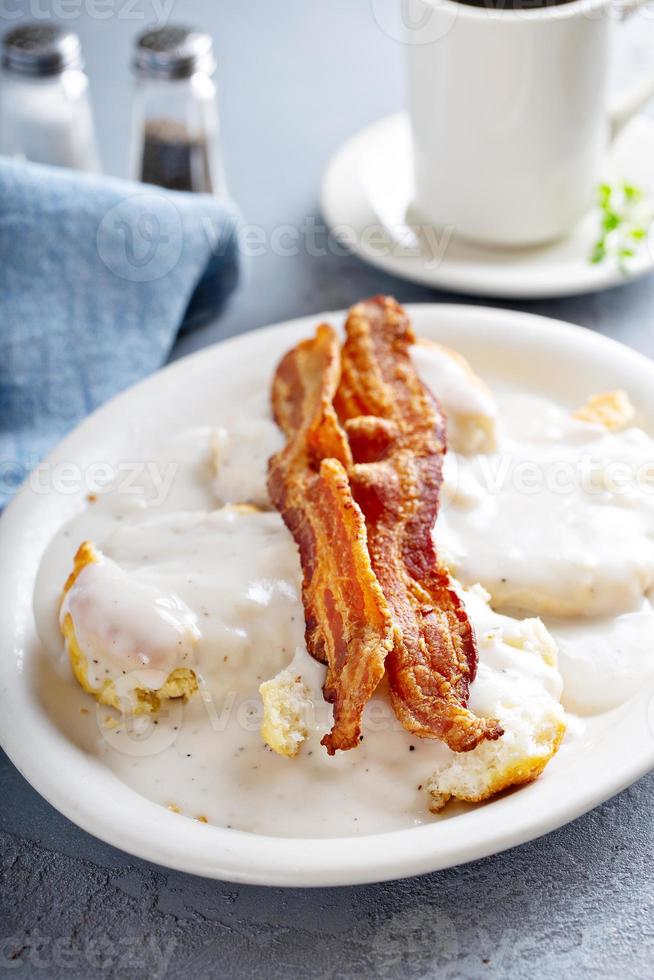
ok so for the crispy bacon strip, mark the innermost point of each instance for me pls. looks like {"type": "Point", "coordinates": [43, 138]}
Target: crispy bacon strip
{"type": "Point", "coordinates": [348, 622]}
{"type": "Point", "coordinates": [397, 435]}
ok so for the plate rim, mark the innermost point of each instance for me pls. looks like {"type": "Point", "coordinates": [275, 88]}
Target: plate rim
{"type": "Point", "coordinates": [281, 861]}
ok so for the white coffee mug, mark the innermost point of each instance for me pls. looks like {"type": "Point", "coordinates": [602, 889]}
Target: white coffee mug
{"type": "Point", "coordinates": [510, 115]}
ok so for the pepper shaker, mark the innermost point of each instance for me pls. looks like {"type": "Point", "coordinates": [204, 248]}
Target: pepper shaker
{"type": "Point", "coordinates": [175, 128]}
{"type": "Point", "coordinates": [45, 114]}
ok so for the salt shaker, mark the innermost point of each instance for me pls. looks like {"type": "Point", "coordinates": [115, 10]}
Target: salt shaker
{"type": "Point", "coordinates": [45, 114]}
{"type": "Point", "coordinates": [175, 134]}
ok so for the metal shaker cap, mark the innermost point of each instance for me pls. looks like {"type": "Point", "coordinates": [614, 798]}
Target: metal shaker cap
{"type": "Point", "coordinates": [173, 52]}
{"type": "Point", "coordinates": [40, 50]}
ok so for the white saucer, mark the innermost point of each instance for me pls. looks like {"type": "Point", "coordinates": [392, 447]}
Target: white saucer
{"type": "Point", "coordinates": [367, 194]}
{"type": "Point", "coordinates": [60, 755]}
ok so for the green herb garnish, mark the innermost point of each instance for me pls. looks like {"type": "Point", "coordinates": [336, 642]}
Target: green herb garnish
{"type": "Point", "coordinates": [625, 219]}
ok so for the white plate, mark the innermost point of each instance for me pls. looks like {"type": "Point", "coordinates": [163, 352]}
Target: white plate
{"type": "Point", "coordinates": [612, 751]}
{"type": "Point", "coordinates": [367, 196]}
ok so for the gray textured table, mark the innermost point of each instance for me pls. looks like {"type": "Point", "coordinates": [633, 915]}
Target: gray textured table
{"type": "Point", "coordinates": [297, 78]}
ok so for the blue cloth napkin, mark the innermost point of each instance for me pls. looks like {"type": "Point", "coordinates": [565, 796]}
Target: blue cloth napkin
{"type": "Point", "coordinates": [96, 278]}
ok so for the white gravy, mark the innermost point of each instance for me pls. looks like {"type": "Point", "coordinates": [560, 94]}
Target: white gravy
{"type": "Point", "coordinates": [560, 520]}
{"type": "Point", "coordinates": [207, 757]}
{"type": "Point", "coordinates": [226, 584]}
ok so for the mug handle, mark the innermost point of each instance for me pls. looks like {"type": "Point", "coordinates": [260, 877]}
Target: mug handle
{"type": "Point", "coordinates": [628, 103]}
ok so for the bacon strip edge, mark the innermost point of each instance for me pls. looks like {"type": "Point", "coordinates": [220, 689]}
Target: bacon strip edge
{"type": "Point", "coordinates": [397, 434]}
{"type": "Point", "coordinates": [348, 622]}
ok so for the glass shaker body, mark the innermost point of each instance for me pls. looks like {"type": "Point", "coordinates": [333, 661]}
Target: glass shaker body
{"type": "Point", "coordinates": [48, 120]}
{"type": "Point", "coordinates": [45, 112]}
{"type": "Point", "coordinates": [175, 127]}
